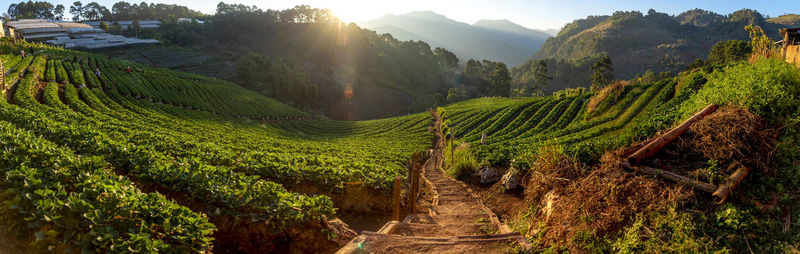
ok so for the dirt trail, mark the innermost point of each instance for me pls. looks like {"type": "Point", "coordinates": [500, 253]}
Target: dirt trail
{"type": "Point", "coordinates": [457, 221]}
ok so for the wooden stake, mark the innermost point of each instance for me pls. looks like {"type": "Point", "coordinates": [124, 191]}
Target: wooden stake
{"type": "Point", "coordinates": [662, 141]}
{"type": "Point", "coordinates": [724, 191]}
{"type": "Point", "coordinates": [414, 189]}
{"type": "Point", "coordinates": [398, 184]}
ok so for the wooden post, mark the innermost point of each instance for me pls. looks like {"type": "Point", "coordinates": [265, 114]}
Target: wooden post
{"type": "Point", "coordinates": [414, 189]}
{"type": "Point", "coordinates": [398, 184]}
{"type": "Point", "coordinates": [662, 141]}
{"type": "Point", "coordinates": [725, 190]}
{"type": "Point", "coordinates": [2, 75]}
{"type": "Point", "coordinates": [483, 137]}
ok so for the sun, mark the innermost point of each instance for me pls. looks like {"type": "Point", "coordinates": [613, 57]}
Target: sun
{"type": "Point", "coordinates": [352, 11]}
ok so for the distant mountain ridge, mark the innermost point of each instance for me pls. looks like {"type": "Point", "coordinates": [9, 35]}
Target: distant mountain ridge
{"type": "Point", "coordinates": [496, 40]}
{"type": "Point", "coordinates": [637, 41]}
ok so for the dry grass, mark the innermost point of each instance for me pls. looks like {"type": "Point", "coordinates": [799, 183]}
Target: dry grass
{"type": "Point", "coordinates": [600, 203]}
{"type": "Point", "coordinates": [733, 135]}
{"type": "Point", "coordinates": [614, 89]}
{"type": "Point", "coordinates": [573, 201]}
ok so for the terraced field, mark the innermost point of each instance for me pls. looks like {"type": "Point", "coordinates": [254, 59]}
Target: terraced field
{"type": "Point", "coordinates": [211, 163]}
{"type": "Point", "coordinates": [514, 127]}
{"type": "Point", "coordinates": [177, 58]}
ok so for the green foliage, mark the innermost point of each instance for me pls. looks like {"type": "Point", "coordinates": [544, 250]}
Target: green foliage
{"type": "Point", "coordinates": [636, 43]}
{"type": "Point", "coordinates": [168, 139]}
{"type": "Point", "coordinates": [447, 58]}
{"type": "Point", "coordinates": [763, 46]}
{"type": "Point", "coordinates": [104, 26]}
{"type": "Point", "coordinates": [461, 164]}
{"type": "Point", "coordinates": [500, 81]}
{"type": "Point", "coordinates": [603, 73]}
{"type": "Point", "coordinates": [769, 88]}
{"type": "Point", "coordinates": [275, 78]}
{"type": "Point", "coordinates": [33, 10]}
{"type": "Point", "coordinates": [727, 52]}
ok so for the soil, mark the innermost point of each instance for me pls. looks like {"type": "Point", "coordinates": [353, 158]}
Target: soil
{"type": "Point", "coordinates": [505, 205]}
{"type": "Point", "coordinates": [363, 221]}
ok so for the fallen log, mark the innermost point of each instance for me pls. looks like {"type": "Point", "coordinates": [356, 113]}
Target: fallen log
{"type": "Point", "coordinates": [698, 185]}
{"type": "Point", "coordinates": [662, 141]}
{"type": "Point", "coordinates": [724, 191]}
{"type": "Point", "coordinates": [632, 149]}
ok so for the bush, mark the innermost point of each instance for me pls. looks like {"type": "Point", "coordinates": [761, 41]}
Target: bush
{"type": "Point", "coordinates": [464, 165]}
{"type": "Point", "coordinates": [768, 88]}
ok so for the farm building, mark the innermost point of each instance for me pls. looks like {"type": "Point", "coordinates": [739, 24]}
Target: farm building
{"type": "Point", "coordinates": [791, 45]}
{"type": "Point", "coordinates": [68, 34]}
{"type": "Point", "coordinates": [125, 25]}
{"type": "Point", "coordinates": [188, 20]}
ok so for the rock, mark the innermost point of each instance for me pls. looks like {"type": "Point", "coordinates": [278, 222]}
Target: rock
{"type": "Point", "coordinates": [489, 175]}
{"type": "Point", "coordinates": [512, 180]}
{"type": "Point", "coordinates": [343, 233]}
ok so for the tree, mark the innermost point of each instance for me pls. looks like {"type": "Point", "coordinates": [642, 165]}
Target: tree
{"type": "Point", "coordinates": [726, 52]}
{"type": "Point", "coordinates": [603, 73]}
{"type": "Point", "coordinates": [501, 80]}
{"type": "Point", "coordinates": [115, 28]}
{"type": "Point", "coordinates": [31, 10]}
{"type": "Point", "coordinates": [649, 77]}
{"type": "Point", "coordinates": [95, 11]}
{"type": "Point", "coordinates": [135, 26]}
{"type": "Point", "coordinates": [455, 95]}
{"type": "Point", "coordinates": [58, 12]}
{"type": "Point", "coordinates": [76, 10]}
{"type": "Point", "coordinates": [104, 26]}
{"type": "Point", "coordinates": [446, 57]}
{"type": "Point", "coordinates": [540, 77]}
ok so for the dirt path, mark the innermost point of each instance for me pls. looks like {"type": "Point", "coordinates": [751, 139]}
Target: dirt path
{"type": "Point", "coordinates": [457, 221]}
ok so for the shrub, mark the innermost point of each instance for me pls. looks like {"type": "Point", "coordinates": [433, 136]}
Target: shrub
{"type": "Point", "coordinates": [768, 88]}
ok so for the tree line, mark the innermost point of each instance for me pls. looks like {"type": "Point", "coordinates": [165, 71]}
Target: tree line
{"type": "Point", "coordinates": [95, 11]}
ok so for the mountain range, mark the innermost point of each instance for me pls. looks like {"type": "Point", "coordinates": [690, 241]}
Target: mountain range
{"type": "Point", "coordinates": [637, 41]}
{"type": "Point", "coordinates": [496, 40]}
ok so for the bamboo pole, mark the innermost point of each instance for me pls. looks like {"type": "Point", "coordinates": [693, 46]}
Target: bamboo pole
{"type": "Point", "coordinates": [653, 147]}
{"type": "Point", "coordinates": [398, 184]}
{"type": "Point", "coordinates": [724, 191]}
{"type": "Point", "coordinates": [698, 185]}
{"type": "Point", "coordinates": [632, 149]}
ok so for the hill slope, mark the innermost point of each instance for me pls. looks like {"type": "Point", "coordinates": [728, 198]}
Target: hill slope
{"type": "Point", "coordinates": [637, 42]}
{"type": "Point", "coordinates": [496, 40]}
{"type": "Point", "coordinates": [557, 164]}
{"type": "Point", "coordinates": [166, 161]}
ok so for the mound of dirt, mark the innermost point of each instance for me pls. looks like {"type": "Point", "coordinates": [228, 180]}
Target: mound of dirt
{"type": "Point", "coordinates": [574, 201]}
{"type": "Point", "coordinates": [602, 202]}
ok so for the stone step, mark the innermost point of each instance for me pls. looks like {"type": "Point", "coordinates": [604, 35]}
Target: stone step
{"type": "Point", "coordinates": [448, 218]}
{"type": "Point", "coordinates": [369, 242]}
{"type": "Point", "coordinates": [445, 230]}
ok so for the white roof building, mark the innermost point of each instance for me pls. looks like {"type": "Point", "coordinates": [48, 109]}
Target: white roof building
{"type": "Point", "coordinates": [72, 35]}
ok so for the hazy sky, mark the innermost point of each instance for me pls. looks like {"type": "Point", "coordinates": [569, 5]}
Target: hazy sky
{"type": "Point", "coordinates": [532, 13]}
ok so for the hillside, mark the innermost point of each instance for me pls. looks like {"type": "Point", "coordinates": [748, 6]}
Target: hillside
{"type": "Point", "coordinates": [637, 42]}
{"type": "Point", "coordinates": [560, 169]}
{"type": "Point", "coordinates": [496, 40]}
{"type": "Point", "coordinates": [175, 162]}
